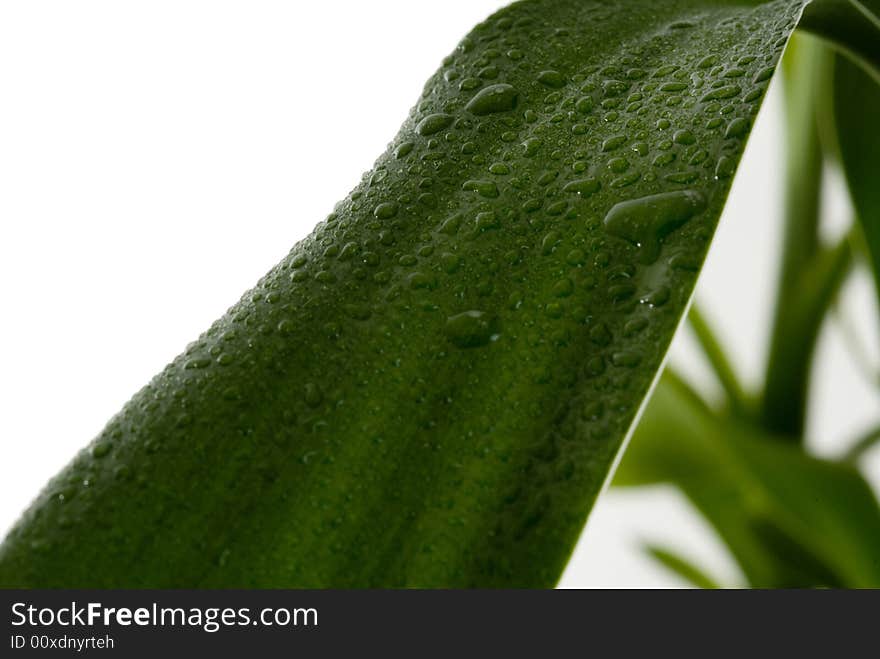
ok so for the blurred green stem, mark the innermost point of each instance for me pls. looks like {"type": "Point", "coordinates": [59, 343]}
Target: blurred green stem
{"type": "Point", "coordinates": [855, 347]}
{"type": "Point", "coordinates": [805, 310]}
{"type": "Point", "coordinates": [783, 406]}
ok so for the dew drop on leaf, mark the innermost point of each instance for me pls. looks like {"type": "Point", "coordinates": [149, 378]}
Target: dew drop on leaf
{"type": "Point", "coordinates": [553, 79]}
{"type": "Point", "coordinates": [494, 98]}
{"type": "Point", "coordinates": [434, 123]}
{"type": "Point", "coordinates": [471, 329]}
{"type": "Point", "coordinates": [646, 220]}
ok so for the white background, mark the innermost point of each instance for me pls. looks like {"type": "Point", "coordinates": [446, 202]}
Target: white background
{"type": "Point", "coordinates": [156, 158]}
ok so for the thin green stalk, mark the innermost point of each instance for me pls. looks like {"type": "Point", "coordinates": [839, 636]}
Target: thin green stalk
{"type": "Point", "coordinates": [786, 382]}
{"type": "Point", "coordinates": [855, 347]}
{"type": "Point", "coordinates": [862, 445]}
{"type": "Point", "coordinates": [681, 566]}
{"type": "Point", "coordinates": [718, 360]}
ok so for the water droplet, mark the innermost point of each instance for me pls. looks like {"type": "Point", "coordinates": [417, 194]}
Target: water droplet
{"type": "Point", "coordinates": [625, 180]}
{"type": "Point", "coordinates": [554, 310]}
{"type": "Point", "coordinates": [684, 261]}
{"type": "Point", "coordinates": [557, 207]}
{"type": "Point", "coordinates": [420, 280]}
{"type": "Point", "coordinates": [665, 70]}
{"type": "Point", "coordinates": [635, 326]}
{"type": "Point", "coordinates": [600, 335]}
{"type": "Point", "coordinates": [450, 226]}
{"type": "Point", "coordinates": [553, 79]}
{"type": "Point", "coordinates": [483, 188]}
{"type": "Point", "coordinates": [449, 262]}
{"type": "Point", "coordinates": [584, 105]}
{"type": "Point", "coordinates": [494, 98]}
{"type": "Point", "coordinates": [547, 178]}
{"type": "Point", "coordinates": [626, 358]}
{"type": "Point", "coordinates": [663, 159]}
{"type": "Point", "coordinates": [657, 298]}
{"type": "Point", "coordinates": [563, 288]}
{"type": "Point", "coordinates": [613, 142]}
{"type": "Point", "coordinates": [487, 220]}
{"type": "Point", "coordinates": [312, 394]}
{"type": "Point", "coordinates": [614, 87]}
{"type": "Point", "coordinates": [584, 187]}
{"type": "Point", "coordinates": [754, 95]}
{"type": "Point", "coordinates": [469, 84]}
{"type": "Point", "coordinates": [532, 205]}
{"type": "Point", "coordinates": [706, 62]}
{"type": "Point", "coordinates": [348, 251]}
{"type": "Point", "coordinates": [595, 365]}
{"type": "Point", "coordinates": [765, 74]}
{"type": "Point", "coordinates": [727, 91]}
{"type": "Point", "coordinates": [101, 449]}
{"type": "Point", "coordinates": [471, 329]}
{"type": "Point", "coordinates": [684, 137]}
{"type": "Point", "coordinates": [403, 150]}
{"type": "Point", "coordinates": [549, 242]}
{"type": "Point", "coordinates": [434, 123]}
{"type": "Point", "coordinates": [683, 177]}
{"type": "Point", "coordinates": [621, 292]}
{"type": "Point", "coordinates": [618, 165]}
{"type": "Point", "coordinates": [531, 146]}
{"type": "Point", "coordinates": [576, 257]}
{"type": "Point", "coordinates": [325, 277]}
{"type": "Point", "coordinates": [385, 210]}
{"type": "Point", "coordinates": [737, 127]}
{"type": "Point", "coordinates": [647, 220]}
{"type": "Point", "coordinates": [725, 168]}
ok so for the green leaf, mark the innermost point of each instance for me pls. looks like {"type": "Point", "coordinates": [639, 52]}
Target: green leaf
{"type": "Point", "coordinates": [789, 519]}
{"type": "Point", "coordinates": [431, 389]}
{"type": "Point", "coordinates": [856, 114]}
{"type": "Point", "coordinates": [851, 25]}
{"type": "Point", "coordinates": [684, 568]}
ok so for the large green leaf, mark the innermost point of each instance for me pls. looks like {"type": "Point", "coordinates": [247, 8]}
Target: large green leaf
{"type": "Point", "coordinates": [789, 519]}
{"type": "Point", "coordinates": [857, 115]}
{"type": "Point", "coordinates": [431, 389]}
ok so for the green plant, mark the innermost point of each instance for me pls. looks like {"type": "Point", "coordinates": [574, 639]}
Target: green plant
{"type": "Point", "coordinates": [432, 388]}
{"type": "Point", "coordinates": [788, 517]}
